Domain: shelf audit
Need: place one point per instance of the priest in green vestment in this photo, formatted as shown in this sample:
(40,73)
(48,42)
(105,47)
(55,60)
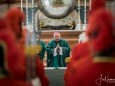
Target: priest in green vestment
(57,51)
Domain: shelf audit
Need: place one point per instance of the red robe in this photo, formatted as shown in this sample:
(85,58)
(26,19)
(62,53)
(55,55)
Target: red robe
(40,73)
(80,50)
(91,72)
(16,58)
(15,18)
(21,71)
(12,82)
(8,42)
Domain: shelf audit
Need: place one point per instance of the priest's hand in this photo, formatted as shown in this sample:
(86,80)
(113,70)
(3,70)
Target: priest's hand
(57,47)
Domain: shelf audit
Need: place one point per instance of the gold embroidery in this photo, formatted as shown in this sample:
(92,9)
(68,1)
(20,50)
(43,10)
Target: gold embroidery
(104,59)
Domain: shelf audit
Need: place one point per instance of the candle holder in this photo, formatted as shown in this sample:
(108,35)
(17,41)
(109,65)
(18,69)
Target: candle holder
(85,12)
(27,22)
(78,27)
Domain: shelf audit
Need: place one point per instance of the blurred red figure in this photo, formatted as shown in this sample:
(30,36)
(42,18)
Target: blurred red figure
(95,5)
(80,51)
(83,50)
(12,82)
(98,69)
(15,18)
(9,52)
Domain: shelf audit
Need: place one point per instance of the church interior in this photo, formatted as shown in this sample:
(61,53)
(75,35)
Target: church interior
(42,42)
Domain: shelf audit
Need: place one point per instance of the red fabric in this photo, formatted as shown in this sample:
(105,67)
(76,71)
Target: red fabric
(16,58)
(3,24)
(20,71)
(15,66)
(100,30)
(9,41)
(23,66)
(20,74)
(39,65)
(87,73)
(12,82)
(15,18)
(15,55)
(22,40)
(80,50)
(95,5)
(41,73)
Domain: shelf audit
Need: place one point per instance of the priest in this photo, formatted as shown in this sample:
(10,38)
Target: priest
(57,51)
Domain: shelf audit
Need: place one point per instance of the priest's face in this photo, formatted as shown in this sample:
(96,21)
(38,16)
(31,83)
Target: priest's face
(57,37)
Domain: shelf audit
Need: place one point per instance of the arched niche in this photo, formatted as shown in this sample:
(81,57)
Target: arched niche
(71,19)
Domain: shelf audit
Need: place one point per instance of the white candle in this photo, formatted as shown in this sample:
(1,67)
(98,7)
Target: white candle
(27,12)
(89,4)
(79,25)
(85,4)
(26,4)
(22,5)
(32,15)
(78,3)
(32,3)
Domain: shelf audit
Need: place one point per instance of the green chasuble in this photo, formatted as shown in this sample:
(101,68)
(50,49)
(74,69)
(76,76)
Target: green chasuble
(57,60)
(42,52)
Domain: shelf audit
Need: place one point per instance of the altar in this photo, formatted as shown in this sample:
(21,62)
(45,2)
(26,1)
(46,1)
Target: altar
(58,79)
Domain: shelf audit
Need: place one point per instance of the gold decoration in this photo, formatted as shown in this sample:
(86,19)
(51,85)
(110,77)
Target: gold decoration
(42,23)
(32,50)
(68,59)
(71,23)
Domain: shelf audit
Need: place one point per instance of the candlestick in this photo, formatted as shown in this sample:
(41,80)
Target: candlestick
(79,22)
(26,12)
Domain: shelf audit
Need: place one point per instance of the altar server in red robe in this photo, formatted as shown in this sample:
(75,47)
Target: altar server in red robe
(98,68)
(15,18)
(8,54)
